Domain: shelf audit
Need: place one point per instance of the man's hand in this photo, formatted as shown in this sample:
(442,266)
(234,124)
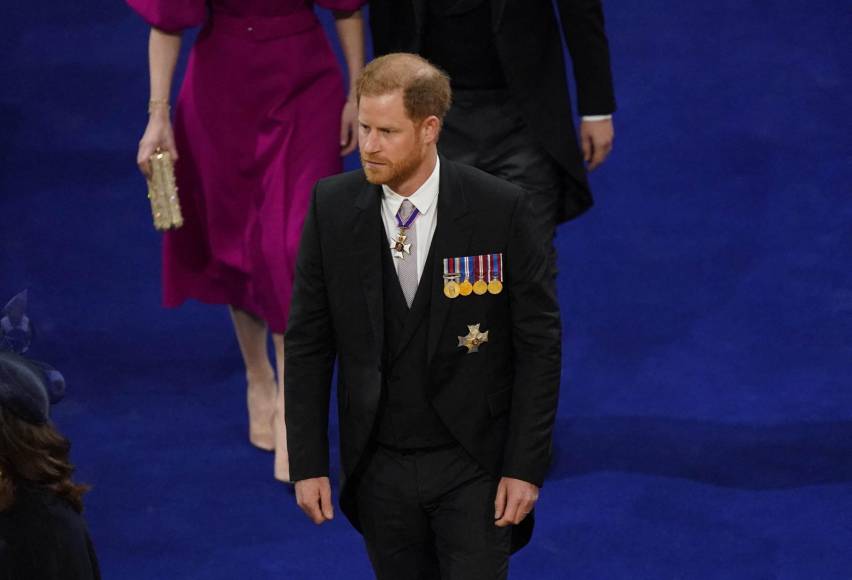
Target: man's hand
(515,499)
(596,138)
(314,497)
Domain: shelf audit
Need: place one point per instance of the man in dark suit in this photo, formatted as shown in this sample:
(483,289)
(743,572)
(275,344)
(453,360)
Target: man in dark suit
(511,114)
(426,281)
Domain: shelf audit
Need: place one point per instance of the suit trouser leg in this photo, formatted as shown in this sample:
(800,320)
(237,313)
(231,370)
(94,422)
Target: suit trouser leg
(485,130)
(395,527)
(430,515)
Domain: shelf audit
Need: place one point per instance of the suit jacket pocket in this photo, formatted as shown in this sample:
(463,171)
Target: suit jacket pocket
(500,401)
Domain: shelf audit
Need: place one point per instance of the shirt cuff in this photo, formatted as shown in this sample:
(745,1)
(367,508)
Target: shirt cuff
(596,117)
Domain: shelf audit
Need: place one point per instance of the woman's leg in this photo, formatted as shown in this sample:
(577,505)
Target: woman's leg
(282,461)
(252,337)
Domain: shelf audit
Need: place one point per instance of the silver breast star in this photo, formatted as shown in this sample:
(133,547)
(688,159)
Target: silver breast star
(474,338)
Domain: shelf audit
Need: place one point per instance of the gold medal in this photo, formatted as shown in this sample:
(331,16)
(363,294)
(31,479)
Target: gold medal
(451,289)
(495,286)
(451,277)
(480,287)
(466,287)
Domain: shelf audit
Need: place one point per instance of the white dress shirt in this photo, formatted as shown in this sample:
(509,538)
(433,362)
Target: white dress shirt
(425,199)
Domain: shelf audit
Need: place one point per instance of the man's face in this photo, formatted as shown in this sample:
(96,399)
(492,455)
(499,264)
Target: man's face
(391,144)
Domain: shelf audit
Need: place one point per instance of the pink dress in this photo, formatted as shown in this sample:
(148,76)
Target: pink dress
(257,123)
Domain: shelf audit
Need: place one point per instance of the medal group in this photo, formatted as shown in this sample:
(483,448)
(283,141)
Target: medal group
(473,275)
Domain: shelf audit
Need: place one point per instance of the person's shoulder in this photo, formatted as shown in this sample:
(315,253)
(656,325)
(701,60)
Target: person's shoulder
(478,184)
(341,183)
(42,512)
(42,531)
(334,195)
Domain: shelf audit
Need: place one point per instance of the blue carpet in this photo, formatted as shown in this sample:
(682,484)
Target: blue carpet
(705,424)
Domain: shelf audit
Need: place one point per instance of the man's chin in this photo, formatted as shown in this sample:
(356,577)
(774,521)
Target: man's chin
(376,177)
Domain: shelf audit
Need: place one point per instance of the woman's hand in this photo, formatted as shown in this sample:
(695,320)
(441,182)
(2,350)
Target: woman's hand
(158,133)
(350,32)
(348,127)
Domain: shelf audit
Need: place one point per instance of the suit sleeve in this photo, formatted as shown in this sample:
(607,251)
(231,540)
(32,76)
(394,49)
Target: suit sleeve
(309,358)
(537,347)
(583,23)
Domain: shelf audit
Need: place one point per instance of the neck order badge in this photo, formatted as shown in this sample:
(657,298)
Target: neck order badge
(398,246)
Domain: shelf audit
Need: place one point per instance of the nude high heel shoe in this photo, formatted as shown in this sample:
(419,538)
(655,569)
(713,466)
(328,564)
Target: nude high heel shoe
(260,396)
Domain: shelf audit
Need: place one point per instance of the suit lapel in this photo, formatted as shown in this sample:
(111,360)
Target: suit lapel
(452,239)
(367,239)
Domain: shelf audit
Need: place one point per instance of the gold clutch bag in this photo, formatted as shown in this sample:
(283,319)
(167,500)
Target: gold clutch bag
(162,191)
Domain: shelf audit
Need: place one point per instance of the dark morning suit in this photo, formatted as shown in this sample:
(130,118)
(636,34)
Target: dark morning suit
(509,82)
(406,391)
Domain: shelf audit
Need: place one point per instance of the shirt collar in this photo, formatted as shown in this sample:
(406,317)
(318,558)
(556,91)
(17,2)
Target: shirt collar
(423,199)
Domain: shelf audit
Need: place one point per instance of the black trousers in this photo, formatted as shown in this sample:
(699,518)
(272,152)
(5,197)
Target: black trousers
(429,515)
(484,129)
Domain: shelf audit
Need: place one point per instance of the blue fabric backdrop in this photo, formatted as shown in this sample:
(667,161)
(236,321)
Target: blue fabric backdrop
(705,424)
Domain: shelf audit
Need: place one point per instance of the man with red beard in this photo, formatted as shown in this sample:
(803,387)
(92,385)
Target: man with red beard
(427,283)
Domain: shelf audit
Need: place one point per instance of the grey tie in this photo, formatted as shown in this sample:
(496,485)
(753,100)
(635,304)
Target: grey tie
(406,268)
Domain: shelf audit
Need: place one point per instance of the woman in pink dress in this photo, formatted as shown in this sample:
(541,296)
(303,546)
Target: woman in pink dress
(260,117)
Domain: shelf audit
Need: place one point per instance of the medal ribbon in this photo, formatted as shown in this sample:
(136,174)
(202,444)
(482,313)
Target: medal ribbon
(450,267)
(410,219)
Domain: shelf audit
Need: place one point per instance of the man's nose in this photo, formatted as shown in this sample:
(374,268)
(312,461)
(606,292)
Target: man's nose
(369,142)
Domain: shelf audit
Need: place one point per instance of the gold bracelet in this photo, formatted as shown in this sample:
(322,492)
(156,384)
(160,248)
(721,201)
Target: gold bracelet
(154,103)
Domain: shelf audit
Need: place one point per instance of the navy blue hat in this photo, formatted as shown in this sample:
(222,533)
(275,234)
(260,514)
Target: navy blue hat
(27,388)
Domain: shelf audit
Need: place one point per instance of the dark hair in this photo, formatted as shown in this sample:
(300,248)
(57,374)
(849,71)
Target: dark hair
(35,455)
(425,88)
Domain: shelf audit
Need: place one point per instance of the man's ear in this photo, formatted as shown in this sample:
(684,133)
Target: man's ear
(431,127)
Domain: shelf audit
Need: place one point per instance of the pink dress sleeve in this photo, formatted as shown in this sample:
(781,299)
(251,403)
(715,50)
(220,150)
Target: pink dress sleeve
(171,15)
(341,4)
